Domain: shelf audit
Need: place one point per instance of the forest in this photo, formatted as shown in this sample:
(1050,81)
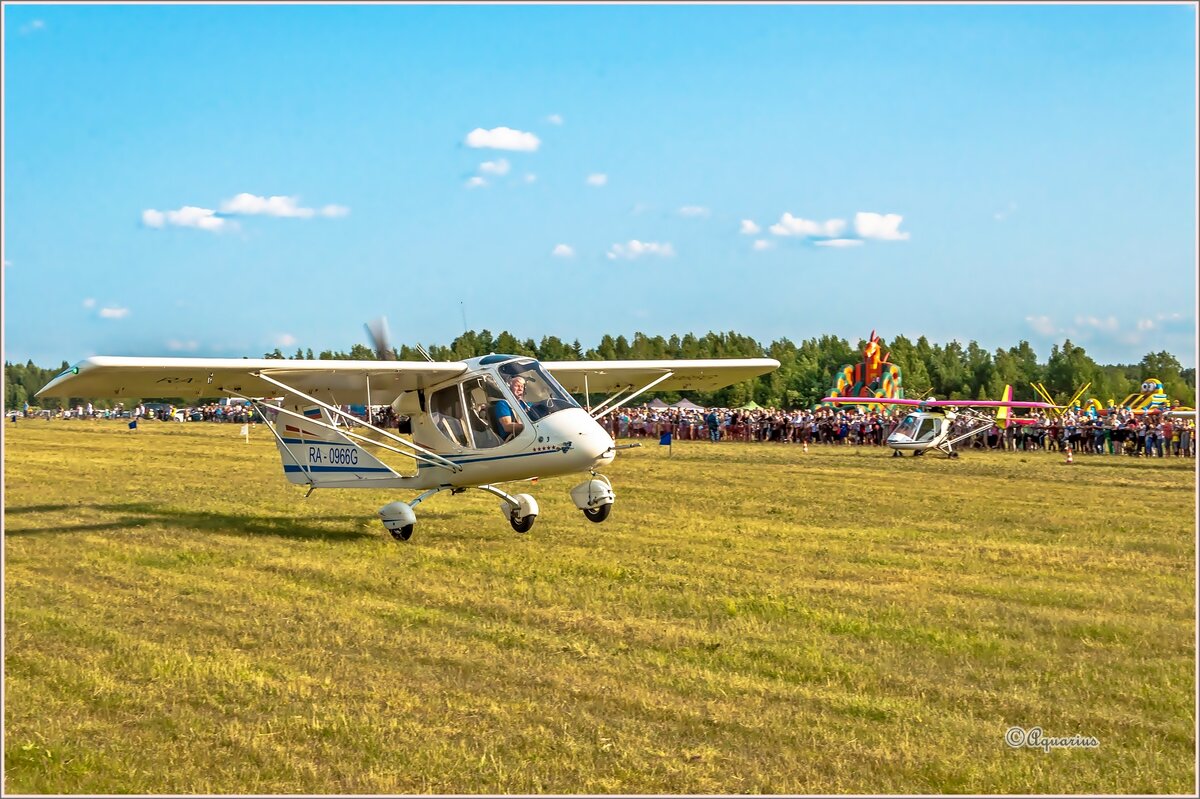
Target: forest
(805,375)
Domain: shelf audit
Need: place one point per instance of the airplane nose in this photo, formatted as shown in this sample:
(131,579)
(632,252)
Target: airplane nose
(599,446)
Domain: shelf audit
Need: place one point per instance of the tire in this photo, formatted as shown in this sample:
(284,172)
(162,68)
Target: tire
(403,534)
(599,514)
(523,525)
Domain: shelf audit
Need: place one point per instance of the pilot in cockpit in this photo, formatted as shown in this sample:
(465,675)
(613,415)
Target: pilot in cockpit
(507,424)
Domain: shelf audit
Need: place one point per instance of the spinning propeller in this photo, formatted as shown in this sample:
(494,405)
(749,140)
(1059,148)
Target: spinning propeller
(377,331)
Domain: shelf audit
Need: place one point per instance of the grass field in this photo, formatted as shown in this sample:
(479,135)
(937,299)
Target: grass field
(751,618)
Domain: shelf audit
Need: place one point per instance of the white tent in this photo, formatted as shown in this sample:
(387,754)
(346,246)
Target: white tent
(686,404)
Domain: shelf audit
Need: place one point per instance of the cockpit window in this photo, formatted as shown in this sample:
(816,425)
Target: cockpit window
(482,394)
(908,427)
(446,413)
(929,428)
(543,394)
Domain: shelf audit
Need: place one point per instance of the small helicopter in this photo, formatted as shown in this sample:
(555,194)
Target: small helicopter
(929,426)
(474,423)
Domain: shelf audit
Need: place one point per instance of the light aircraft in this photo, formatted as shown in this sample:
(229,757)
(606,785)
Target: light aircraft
(470,429)
(929,426)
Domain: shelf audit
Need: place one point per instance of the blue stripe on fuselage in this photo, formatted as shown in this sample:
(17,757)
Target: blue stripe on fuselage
(295,468)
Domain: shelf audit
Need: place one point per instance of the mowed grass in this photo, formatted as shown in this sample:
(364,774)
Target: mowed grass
(751,619)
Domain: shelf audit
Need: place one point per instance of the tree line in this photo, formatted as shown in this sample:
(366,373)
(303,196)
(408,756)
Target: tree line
(806,373)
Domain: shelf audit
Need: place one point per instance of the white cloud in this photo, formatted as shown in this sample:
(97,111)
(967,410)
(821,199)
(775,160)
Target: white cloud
(475,182)
(334,210)
(174,345)
(252,205)
(187,216)
(789,225)
(870,225)
(114,313)
(1042,324)
(503,139)
(530,177)
(563,251)
(1109,324)
(498,167)
(636,249)
(89,303)
(555,119)
(839,243)
(749,228)
(32,27)
(597,179)
(762,244)
(285,340)
(1166,322)
(694,210)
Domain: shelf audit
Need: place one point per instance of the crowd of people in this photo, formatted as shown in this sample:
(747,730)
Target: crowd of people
(239,413)
(1121,432)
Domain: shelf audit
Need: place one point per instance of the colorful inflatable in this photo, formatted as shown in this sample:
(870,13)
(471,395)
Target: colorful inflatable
(1153,397)
(873,377)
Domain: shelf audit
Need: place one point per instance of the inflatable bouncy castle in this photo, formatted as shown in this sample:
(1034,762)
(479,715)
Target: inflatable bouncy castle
(1151,398)
(873,377)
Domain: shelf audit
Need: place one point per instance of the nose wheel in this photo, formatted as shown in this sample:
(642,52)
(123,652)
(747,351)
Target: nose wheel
(594,497)
(599,514)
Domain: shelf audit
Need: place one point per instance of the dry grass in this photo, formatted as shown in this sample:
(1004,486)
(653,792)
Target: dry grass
(751,619)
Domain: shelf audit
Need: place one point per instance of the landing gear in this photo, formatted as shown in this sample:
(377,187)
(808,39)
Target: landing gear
(594,497)
(951,454)
(403,533)
(522,525)
(599,514)
(897,453)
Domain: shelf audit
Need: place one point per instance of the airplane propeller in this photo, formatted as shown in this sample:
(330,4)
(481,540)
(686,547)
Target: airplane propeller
(377,331)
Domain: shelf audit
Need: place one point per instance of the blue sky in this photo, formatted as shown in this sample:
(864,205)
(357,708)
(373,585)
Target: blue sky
(220,180)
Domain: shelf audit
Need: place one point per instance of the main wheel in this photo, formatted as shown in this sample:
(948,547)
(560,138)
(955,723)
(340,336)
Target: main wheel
(522,525)
(953,454)
(598,514)
(404,533)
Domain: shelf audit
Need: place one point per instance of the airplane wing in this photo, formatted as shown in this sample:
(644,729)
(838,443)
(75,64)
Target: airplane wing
(937,403)
(873,401)
(343,382)
(990,404)
(603,377)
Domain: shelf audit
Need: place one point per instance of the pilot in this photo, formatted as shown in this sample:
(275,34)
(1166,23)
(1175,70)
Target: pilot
(508,426)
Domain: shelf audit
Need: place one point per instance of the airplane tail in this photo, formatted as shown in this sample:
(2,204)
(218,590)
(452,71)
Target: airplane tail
(1002,412)
(315,453)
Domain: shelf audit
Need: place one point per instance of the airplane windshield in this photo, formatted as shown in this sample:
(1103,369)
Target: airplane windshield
(908,427)
(543,394)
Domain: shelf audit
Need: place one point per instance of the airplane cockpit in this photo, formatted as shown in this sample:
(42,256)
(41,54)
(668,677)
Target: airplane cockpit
(465,414)
(919,427)
(543,394)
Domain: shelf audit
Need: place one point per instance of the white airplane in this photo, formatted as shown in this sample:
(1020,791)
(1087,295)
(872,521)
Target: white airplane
(929,426)
(475,423)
